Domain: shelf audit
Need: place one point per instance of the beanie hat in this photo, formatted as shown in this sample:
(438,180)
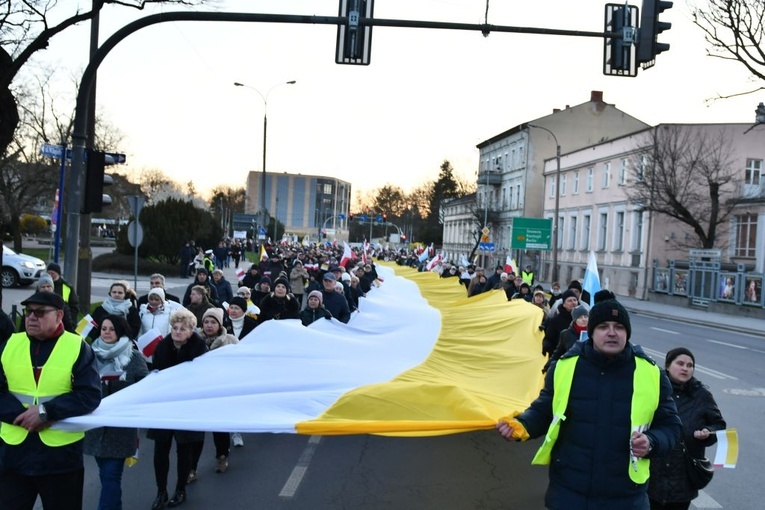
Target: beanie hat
(240,302)
(282,281)
(609,310)
(569,293)
(215,312)
(156,291)
(54,267)
(575,285)
(265,279)
(45,279)
(318,294)
(346,277)
(674,353)
(579,311)
(602,295)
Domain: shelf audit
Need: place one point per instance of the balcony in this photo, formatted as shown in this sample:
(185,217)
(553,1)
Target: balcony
(490,178)
(750,192)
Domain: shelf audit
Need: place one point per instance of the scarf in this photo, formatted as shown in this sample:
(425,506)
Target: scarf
(112,357)
(237,325)
(579,328)
(117,306)
(155,309)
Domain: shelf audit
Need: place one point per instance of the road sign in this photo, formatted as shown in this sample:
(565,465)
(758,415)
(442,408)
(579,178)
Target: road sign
(330,231)
(55,151)
(262,231)
(486,246)
(485,231)
(135,234)
(531,234)
(136,204)
(354,41)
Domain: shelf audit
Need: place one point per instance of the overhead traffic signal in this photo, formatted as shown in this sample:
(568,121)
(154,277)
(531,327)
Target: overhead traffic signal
(95,179)
(350,216)
(385,217)
(650,28)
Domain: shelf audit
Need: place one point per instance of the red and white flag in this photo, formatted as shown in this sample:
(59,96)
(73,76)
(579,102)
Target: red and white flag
(510,265)
(148,342)
(347,255)
(240,274)
(434,262)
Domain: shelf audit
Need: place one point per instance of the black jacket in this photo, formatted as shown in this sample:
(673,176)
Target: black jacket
(590,459)
(249,325)
(273,307)
(309,316)
(133,320)
(553,328)
(697,409)
(337,305)
(32,457)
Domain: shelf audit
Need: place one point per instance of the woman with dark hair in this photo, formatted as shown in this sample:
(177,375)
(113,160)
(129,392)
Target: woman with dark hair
(118,303)
(668,486)
(119,366)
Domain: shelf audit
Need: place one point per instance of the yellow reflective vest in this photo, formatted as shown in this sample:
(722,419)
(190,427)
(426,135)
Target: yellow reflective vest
(55,379)
(527,277)
(646,384)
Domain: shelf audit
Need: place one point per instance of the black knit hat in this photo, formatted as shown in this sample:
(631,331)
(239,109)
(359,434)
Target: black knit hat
(240,302)
(603,295)
(282,281)
(674,353)
(609,310)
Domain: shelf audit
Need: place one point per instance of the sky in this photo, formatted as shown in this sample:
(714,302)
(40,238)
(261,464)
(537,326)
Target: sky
(427,96)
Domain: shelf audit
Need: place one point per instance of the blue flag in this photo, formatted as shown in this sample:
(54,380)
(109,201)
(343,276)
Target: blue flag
(591,277)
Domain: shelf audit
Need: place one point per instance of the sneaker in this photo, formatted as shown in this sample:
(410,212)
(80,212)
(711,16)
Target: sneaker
(192,477)
(221,464)
(236,439)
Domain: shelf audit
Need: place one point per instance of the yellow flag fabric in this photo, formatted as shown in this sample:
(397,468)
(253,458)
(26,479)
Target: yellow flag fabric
(486,364)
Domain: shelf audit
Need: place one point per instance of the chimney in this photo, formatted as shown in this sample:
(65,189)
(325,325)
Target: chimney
(596,96)
(556,110)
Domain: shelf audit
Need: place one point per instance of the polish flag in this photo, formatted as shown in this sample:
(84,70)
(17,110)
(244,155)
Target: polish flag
(240,274)
(148,342)
(433,263)
(510,265)
(347,255)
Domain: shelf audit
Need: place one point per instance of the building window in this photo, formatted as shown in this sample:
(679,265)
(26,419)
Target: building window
(586,224)
(552,187)
(327,189)
(572,233)
(640,171)
(603,232)
(637,232)
(590,173)
(623,171)
(575,191)
(518,204)
(561,230)
(619,232)
(746,235)
(606,175)
(563,185)
(753,172)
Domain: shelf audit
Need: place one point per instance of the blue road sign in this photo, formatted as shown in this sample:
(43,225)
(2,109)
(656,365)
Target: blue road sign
(262,231)
(486,246)
(54,151)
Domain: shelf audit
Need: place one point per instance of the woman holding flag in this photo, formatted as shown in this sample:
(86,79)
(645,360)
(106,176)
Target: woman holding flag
(669,488)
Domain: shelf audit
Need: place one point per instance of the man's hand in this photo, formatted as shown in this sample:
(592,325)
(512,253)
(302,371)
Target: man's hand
(640,444)
(702,434)
(511,429)
(30,420)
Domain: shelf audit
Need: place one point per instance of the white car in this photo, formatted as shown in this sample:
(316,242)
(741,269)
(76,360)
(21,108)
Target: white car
(19,269)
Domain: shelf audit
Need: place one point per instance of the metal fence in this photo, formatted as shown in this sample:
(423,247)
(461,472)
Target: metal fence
(704,282)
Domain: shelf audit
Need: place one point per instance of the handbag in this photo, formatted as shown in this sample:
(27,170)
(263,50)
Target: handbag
(698,471)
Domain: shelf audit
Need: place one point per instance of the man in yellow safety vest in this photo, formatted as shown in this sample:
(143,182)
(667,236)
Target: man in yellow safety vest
(65,290)
(605,410)
(46,374)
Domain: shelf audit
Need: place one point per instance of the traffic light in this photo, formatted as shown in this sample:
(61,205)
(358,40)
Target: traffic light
(650,28)
(95,180)
(350,217)
(385,217)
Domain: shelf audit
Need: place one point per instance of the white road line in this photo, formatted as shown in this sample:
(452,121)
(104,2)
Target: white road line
(300,469)
(666,331)
(728,344)
(705,501)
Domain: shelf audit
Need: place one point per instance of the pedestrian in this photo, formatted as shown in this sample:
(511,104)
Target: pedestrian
(606,409)
(314,309)
(222,287)
(47,374)
(157,281)
(65,290)
(669,488)
(181,345)
(334,302)
(119,366)
(557,324)
(117,303)
(45,284)
(202,278)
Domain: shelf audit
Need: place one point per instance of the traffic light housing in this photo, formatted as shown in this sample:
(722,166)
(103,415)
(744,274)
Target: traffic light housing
(385,217)
(350,217)
(95,179)
(650,28)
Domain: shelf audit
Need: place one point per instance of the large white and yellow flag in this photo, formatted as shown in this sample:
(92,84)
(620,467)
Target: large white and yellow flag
(418,359)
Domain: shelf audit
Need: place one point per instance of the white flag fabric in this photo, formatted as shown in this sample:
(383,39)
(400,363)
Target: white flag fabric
(591,278)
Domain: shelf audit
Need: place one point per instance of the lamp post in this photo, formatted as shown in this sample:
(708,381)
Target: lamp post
(554,272)
(759,117)
(263,209)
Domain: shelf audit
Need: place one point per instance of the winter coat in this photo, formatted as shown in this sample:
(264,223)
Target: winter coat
(212,292)
(223,289)
(337,305)
(309,316)
(133,320)
(225,338)
(298,279)
(697,409)
(199,309)
(116,442)
(247,327)
(590,460)
(166,356)
(159,319)
(553,328)
(273,307)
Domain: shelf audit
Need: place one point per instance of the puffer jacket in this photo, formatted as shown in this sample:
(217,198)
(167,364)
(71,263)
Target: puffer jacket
(298,279)
(590,460)
(697,409)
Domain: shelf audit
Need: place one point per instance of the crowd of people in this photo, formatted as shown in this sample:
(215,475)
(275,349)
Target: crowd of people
(593,372)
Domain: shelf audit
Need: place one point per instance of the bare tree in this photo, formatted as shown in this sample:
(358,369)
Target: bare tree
(734,30)
(686,173)
(156,186)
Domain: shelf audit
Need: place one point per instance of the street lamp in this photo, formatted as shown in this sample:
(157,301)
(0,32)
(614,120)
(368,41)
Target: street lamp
(759,117)
(264,209)
(554,275)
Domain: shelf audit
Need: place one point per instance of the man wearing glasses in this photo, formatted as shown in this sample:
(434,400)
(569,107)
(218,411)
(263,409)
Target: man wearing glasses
(46,374)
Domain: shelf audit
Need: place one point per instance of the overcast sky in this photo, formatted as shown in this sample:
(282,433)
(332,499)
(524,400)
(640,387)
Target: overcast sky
(428,95)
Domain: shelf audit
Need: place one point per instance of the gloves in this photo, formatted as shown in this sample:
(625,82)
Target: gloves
(510,428)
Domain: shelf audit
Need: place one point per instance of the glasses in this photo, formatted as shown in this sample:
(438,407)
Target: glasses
(38,312)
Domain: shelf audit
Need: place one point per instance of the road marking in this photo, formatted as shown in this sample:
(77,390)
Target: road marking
(704,500)
(300,469)
(699,369)
(666,331)
(728,344)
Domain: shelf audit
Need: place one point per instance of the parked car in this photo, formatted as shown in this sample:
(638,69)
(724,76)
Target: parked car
(20,269)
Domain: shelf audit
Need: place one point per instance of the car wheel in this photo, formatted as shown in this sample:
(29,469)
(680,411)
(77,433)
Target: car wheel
(9,278)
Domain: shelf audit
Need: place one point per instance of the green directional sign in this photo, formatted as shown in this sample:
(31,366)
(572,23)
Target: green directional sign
(532,234)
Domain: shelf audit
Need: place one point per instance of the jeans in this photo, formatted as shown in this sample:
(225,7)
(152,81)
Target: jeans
(110,472)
